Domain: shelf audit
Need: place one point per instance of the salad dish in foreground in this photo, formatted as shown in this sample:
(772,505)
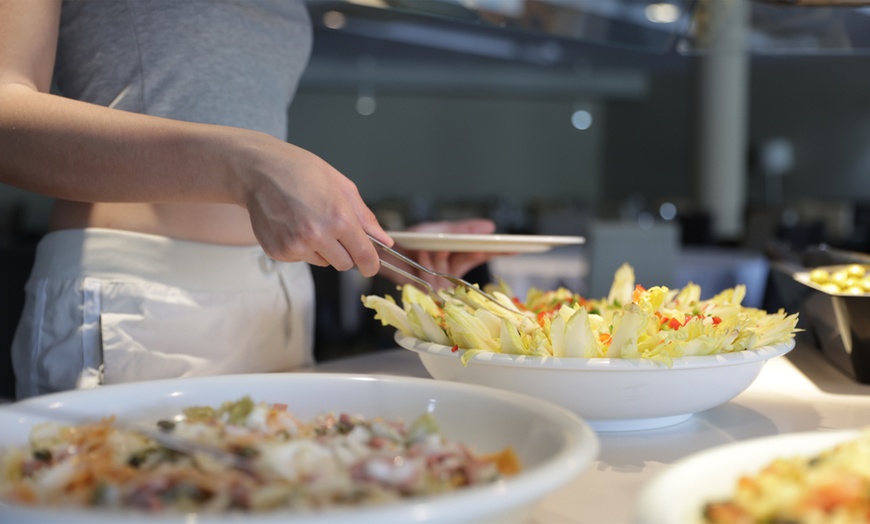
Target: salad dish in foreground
(331,460)
(828,487)
(632,322)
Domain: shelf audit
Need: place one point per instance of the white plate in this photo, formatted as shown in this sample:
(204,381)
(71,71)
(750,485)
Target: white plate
(481,243)
(554,445)
(679,493)
(612,394)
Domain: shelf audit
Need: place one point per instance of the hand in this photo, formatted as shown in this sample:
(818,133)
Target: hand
(452,263)
(302,208)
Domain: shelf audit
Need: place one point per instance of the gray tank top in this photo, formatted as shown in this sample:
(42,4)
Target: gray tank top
(229,62)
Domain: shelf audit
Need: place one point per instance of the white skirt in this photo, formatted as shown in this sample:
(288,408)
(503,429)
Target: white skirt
(107,306)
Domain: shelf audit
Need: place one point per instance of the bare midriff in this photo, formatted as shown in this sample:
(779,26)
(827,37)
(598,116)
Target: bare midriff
(226,224)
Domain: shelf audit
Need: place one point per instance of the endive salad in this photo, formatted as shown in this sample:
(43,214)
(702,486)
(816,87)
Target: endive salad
(631,322)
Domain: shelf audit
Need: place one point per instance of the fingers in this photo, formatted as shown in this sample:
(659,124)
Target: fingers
(323,229)
(347,245)
(436,261)
(363,255)
(449,262)
(462,263)
(345,249)
(336,255)
(323,220)
(482,226)
(363,252)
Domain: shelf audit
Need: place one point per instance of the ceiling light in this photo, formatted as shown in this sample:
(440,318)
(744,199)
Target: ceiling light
(662,13)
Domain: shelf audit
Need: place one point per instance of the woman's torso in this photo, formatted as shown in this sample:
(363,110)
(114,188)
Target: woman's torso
(225,62)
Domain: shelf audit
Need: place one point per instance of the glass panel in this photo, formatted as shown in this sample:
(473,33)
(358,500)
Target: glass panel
(796,27)
(638,24)
(509,28)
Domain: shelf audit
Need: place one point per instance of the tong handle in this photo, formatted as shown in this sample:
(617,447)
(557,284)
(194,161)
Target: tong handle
(454,280)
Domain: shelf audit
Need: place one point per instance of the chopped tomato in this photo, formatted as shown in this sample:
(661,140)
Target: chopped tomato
(455,348)
(638,291)
(670,322)
(844,492)
(605,338)
(519,304)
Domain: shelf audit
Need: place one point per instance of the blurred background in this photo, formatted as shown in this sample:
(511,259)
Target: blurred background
(696,139)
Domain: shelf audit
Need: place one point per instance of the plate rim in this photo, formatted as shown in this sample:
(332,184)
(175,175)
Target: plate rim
(764,353)
(515,241)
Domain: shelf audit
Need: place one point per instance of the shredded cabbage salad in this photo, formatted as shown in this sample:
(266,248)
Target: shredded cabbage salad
(332,460)
(658,323)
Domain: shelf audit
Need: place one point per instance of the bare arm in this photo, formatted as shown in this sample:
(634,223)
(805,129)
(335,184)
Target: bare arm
(301,208)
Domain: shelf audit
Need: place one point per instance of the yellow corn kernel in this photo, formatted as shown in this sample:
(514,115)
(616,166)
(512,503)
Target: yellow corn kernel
(856,270)
(830,288)
(819,276)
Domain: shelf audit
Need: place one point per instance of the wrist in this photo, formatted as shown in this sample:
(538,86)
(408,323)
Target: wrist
(241,152)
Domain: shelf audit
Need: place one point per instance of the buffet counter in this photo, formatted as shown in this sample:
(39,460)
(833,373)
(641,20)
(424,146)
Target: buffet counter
(799,392)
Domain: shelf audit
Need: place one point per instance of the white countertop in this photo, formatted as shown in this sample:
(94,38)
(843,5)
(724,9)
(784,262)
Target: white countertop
(799,392)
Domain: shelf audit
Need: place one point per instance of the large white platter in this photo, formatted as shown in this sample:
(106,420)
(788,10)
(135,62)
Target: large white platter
(553,444)
(679,493)
(468,242)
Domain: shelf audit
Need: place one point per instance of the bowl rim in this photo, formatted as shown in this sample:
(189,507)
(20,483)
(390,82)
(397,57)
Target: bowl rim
(424,348)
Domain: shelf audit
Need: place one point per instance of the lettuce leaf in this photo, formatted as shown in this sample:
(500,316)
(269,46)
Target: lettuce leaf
(580,340)
(425,326)
(623,285)
(467,331)
(388,312)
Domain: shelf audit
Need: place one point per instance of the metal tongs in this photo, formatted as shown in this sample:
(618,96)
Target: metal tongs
(434,294)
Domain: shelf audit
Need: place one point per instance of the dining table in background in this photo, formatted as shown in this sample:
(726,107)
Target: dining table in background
(799,392)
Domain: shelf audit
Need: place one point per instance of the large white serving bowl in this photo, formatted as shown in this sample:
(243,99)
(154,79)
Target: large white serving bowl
(553,444)
(611,394)
(712,475)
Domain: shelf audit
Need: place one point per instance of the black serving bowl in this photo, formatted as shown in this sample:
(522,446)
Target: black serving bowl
(837,323)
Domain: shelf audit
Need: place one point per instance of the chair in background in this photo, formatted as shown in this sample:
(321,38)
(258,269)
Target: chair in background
(651,250)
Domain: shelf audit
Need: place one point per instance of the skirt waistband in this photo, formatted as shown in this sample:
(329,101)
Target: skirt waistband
(124,255)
